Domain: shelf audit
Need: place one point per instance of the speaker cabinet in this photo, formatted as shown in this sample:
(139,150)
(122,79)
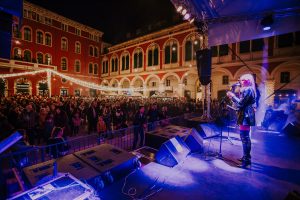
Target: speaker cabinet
(156,138)
(291,130)
(36,173)
(194,141)
(107,159)
(172,152)
(203,59)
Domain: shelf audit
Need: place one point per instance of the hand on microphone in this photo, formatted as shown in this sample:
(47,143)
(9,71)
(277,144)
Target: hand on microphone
(236,85)
(230,94)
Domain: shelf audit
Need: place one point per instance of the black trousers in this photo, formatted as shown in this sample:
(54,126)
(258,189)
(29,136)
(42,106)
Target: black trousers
(138,131)
(92,127)
(246,141)
(31,133)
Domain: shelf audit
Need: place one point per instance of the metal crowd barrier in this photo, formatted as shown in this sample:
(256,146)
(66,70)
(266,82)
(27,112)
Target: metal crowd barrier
(122,138)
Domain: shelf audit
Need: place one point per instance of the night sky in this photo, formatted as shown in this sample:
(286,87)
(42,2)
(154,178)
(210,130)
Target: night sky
(117,18)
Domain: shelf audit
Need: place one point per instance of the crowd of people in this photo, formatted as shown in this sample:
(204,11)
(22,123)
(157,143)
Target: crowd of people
(38,116)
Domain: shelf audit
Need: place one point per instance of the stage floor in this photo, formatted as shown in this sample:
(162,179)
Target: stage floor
(275,172)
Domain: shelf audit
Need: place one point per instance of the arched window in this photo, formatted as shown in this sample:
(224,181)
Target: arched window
(40,57)
(125,61)
(95,68)
(114,64)
(153,55)
(104,66)
(91,51)
(77,66)
(171,52)
(64,64)
(90,68)
(138,58)
(192,45)
(188,51)
(64,44)
(27,34)
(77,47)
(39,37)
(48,59)
(48,39)
(96,52)
(27,55)
(17,53)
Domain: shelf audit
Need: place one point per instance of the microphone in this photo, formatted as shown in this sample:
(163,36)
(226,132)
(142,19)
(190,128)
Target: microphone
(236,85)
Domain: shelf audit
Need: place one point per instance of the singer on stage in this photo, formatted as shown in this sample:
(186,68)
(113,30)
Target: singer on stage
(246,104)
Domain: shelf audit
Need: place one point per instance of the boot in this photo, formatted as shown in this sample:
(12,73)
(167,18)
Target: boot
(241,159)
(245,163)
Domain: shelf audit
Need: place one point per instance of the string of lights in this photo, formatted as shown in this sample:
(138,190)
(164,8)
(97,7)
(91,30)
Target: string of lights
(22,74)
(75,81)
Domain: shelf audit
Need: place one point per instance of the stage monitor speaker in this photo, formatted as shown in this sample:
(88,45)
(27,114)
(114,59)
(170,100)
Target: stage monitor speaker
(203,59)
(291,130)
(194,141)
(209,130)
(172,152)
(81,170)
(157,137)
(36,173)
(111,162)
(274,120)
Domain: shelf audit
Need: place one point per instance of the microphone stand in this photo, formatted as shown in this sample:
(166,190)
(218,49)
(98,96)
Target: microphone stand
(220,156)
(222,123)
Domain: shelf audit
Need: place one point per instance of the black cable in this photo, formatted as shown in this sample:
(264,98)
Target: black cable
(234,53)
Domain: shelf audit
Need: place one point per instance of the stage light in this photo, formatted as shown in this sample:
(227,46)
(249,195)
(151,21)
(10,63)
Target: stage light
(196,42)
(191,20)
(267,22)
(186,16)
(179,8)
(184,11)
(173,48)
(17,42)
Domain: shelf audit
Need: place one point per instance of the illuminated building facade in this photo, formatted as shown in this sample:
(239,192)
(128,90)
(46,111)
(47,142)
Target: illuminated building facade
(163,63)
(49,40)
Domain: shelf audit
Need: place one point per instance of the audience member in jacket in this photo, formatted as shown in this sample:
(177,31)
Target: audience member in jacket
(140,123)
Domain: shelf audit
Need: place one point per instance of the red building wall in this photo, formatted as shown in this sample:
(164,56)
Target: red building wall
(56,54)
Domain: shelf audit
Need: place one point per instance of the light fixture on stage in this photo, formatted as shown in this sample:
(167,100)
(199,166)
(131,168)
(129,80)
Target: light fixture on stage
(179,9)
(184,11)
(267,22)
(191,20)
(187,16)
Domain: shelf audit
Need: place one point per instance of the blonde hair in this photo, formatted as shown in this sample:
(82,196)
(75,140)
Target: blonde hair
(250,78)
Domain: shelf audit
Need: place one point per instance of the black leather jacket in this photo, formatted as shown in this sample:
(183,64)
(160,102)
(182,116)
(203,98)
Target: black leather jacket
(245,104)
